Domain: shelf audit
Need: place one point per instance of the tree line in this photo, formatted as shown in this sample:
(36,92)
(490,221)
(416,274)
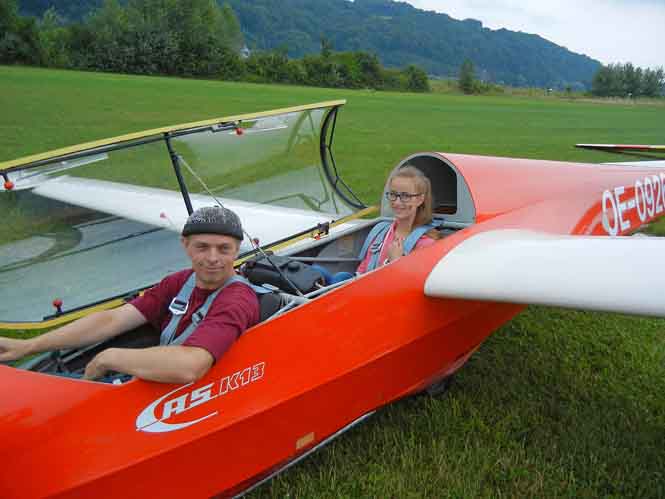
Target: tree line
(615,80)
(196,38)
(626,80)
(333,69)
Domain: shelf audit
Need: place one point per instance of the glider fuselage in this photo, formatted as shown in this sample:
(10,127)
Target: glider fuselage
(293,381)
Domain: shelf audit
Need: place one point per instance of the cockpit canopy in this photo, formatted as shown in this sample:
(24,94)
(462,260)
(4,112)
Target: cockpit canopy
(102,220)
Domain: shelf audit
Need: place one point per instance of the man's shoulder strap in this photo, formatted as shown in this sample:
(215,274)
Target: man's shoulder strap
(202,311)
(185,292)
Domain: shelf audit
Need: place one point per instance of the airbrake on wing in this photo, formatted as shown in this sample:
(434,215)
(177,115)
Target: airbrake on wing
(631,149)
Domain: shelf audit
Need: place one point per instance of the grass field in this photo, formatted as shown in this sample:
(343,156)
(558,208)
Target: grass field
(555,404)
(46,109)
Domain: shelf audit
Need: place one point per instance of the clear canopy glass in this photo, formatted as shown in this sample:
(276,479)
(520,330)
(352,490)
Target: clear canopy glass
(104,222)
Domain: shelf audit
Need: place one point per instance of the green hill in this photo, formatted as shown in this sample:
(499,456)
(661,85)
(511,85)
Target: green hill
(398,33)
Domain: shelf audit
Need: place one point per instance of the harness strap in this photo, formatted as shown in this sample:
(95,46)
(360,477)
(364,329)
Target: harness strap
(167,336)
(412,239)
(373,243)
(377,235)
(379,227)
(178,307)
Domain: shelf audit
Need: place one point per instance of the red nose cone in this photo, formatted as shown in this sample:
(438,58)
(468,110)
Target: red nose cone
(57,303)
(239,131)
(9,185)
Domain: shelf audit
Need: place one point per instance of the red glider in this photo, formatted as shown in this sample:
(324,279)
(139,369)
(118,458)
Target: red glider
(516,232)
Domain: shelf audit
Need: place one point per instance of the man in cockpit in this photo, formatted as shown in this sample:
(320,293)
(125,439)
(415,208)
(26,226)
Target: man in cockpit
(200,312)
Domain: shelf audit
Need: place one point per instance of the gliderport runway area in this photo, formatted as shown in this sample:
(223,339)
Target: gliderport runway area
(556,403)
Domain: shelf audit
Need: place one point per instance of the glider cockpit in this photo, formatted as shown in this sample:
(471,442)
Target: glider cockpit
(90,229)
(91,226)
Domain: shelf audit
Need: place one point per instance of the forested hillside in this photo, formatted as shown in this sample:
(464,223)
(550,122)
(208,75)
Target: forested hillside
(397,32)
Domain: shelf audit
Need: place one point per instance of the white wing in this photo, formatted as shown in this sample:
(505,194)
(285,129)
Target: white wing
(166,209)
(619,274)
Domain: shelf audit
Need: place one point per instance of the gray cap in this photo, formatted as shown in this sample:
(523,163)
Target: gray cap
(213,220)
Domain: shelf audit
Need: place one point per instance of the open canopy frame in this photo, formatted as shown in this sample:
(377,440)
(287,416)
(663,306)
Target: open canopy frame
(100,220)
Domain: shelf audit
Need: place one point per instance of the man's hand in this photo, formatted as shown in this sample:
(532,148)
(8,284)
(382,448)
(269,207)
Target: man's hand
(99,365)
(11,349)
(94,328)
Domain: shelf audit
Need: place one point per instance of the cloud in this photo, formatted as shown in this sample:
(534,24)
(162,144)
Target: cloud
(607,30)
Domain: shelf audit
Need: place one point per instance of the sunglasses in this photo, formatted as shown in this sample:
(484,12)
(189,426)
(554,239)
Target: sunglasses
(405,197)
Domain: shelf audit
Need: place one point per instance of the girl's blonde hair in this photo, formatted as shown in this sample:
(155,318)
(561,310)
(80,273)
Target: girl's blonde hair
(423,186)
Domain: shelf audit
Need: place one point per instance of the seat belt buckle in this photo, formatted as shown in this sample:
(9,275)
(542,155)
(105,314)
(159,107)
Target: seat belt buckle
(178,307)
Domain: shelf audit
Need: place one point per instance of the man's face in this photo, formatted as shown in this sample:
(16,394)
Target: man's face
(212,258)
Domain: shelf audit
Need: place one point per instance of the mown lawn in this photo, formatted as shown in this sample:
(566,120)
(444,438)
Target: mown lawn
(555,404)
(46,109)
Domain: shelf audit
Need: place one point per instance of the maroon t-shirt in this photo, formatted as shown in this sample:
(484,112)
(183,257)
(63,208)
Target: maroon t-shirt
(235,309)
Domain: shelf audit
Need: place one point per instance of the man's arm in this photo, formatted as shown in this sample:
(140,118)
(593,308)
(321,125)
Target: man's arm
(188,362)
(167,364)
(88,330)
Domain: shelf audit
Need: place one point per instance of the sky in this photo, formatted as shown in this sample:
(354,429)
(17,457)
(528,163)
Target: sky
(611,31)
